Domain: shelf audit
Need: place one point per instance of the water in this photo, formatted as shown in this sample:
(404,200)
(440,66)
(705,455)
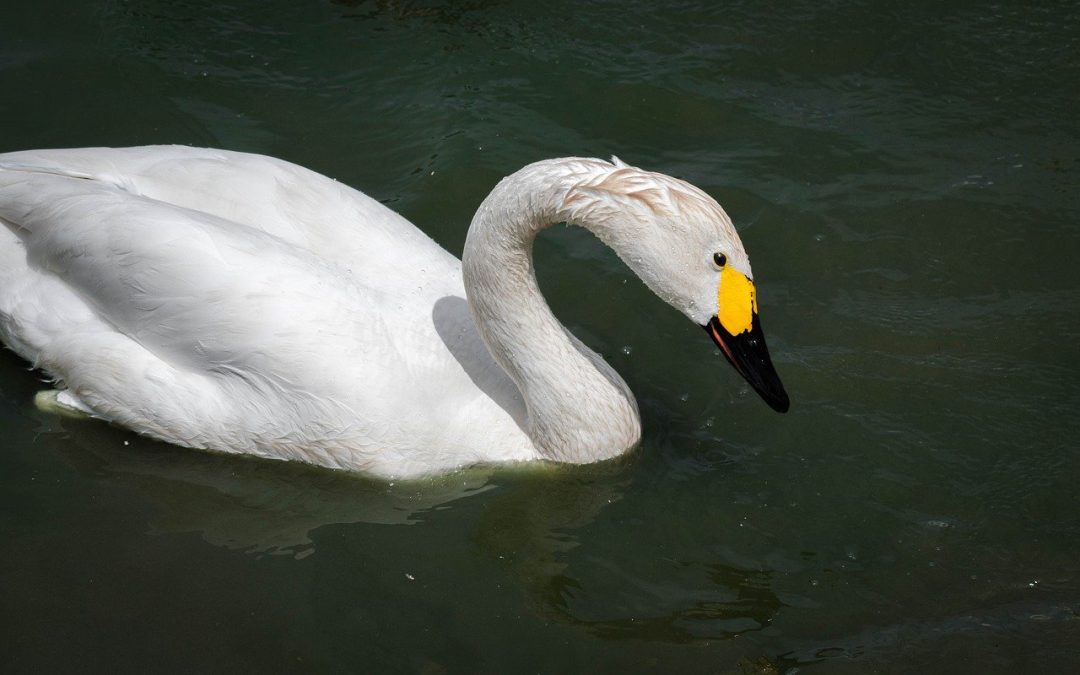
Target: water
(905,180)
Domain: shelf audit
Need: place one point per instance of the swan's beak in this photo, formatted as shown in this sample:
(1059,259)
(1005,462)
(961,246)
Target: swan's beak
(736,330)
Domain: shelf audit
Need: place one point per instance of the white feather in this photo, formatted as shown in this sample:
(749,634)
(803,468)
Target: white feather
(244,304)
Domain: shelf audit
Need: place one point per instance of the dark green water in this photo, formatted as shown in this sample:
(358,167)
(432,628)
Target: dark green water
(906,182)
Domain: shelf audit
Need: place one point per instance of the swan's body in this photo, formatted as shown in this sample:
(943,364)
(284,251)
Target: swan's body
(244,304)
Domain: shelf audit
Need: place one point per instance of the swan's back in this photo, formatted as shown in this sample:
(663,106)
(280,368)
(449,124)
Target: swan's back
(288,201)
(238,302)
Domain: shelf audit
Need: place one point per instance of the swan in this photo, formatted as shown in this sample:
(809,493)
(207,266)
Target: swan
(239,303)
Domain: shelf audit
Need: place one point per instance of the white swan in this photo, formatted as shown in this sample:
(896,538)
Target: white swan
(240,303)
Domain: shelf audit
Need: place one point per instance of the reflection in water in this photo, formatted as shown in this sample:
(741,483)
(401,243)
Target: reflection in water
(683,607)
(250,504)
(533,529)
(531,526)
(533,522)
(747,604)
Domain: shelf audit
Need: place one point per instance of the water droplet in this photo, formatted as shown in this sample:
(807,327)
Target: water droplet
(627,350)
(684,397)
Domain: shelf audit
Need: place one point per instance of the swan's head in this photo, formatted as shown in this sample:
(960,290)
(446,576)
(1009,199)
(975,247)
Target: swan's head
(685,248)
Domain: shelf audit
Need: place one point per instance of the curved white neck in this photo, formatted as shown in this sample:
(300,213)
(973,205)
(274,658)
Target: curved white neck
(579,409)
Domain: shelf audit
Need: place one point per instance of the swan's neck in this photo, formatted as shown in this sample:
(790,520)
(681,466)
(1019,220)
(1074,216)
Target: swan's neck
(579,409)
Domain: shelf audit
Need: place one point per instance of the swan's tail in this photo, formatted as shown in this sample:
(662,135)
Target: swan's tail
(63,403)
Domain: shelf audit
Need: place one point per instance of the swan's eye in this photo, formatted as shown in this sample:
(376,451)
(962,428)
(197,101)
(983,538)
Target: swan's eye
(719,259)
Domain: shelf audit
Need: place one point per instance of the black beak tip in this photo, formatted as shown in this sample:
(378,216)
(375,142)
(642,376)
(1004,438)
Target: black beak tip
(779,402)
(749,355)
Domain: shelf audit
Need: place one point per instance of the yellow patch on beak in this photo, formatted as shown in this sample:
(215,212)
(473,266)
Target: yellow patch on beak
(737,300)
